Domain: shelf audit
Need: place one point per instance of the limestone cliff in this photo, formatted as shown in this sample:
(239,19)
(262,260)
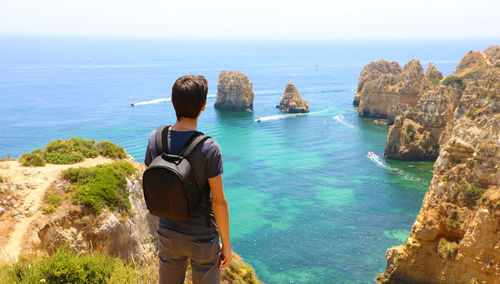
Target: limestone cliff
(292,101)
(383,87)
(456,235)
(416,133)
(234,92)
(376,77)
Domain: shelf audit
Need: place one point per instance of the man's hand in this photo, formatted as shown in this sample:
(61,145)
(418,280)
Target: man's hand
(225,257)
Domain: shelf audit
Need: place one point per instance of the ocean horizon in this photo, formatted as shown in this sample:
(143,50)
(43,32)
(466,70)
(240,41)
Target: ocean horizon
(307,204)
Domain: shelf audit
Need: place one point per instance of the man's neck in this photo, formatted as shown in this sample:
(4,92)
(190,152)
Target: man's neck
(185,124)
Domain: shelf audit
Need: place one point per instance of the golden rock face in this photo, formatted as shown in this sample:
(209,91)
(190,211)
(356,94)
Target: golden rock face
(292,101)
(234,92)
(456,236)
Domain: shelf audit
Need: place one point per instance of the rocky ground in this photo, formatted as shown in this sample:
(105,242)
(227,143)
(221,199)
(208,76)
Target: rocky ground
(21,199)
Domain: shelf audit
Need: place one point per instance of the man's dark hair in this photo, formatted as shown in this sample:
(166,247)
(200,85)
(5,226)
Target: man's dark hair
(189,93)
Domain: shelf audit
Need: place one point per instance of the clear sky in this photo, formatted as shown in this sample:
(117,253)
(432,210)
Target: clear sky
(256,19)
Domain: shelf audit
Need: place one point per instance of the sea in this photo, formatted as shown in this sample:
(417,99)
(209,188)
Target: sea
(307,203)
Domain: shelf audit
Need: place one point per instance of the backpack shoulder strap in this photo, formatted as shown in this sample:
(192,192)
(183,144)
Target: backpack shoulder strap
(161,139)
(196,139)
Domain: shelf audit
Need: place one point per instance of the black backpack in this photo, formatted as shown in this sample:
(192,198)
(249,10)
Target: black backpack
(170,186)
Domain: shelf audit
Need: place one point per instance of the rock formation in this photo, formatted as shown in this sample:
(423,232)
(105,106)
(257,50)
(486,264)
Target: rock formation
(291,101)
(383,85)
(234,92)
(123,234)
(432,73)
(416,134)
(377,75)
(456,236)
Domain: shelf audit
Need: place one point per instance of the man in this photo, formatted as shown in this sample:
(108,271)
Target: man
(198,238)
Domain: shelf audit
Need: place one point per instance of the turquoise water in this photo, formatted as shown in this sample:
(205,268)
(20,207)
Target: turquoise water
(307,204)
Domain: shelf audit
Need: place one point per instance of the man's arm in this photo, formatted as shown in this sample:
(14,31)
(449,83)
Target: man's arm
(221,212)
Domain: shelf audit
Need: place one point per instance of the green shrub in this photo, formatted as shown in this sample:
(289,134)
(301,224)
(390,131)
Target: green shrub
(110,149)
(473,191)
(71,151)
(239,272)
(455,81)
(447,249)
(435,81)
(103,185)
(471,111)
(64,158)
(63,267)
(410,133)
(34,159)
(68,267)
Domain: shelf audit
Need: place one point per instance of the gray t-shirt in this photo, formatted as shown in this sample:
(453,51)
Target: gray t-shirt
(206,160)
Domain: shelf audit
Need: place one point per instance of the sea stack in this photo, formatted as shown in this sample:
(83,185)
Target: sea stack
(234,92)
(292,101)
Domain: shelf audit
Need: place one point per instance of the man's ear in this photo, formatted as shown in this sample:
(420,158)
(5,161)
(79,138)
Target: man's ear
(203,106)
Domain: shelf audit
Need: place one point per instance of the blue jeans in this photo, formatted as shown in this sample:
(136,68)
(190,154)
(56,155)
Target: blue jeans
(176,248)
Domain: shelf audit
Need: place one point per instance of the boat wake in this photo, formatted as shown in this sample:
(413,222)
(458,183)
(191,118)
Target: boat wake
(160,100)
(287,115)
(279,116)
(155,101)
(381,163)
(340,118)
(377,160)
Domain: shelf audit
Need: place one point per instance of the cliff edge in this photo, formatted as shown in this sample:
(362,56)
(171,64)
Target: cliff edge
(456,235)
(83,196)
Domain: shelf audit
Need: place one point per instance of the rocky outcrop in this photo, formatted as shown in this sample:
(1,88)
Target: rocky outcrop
(456,235)
(383,85)
(432,73)
(376,77)
(292,101)
(416,134)
(127,235)
(234,92)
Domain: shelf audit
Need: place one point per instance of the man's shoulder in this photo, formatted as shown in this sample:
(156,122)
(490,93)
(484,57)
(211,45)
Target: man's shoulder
(210,145)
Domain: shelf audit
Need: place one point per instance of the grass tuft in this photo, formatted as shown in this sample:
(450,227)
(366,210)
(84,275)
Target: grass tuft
(68,267)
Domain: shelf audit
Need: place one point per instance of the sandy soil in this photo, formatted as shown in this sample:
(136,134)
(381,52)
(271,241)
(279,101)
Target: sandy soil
(36,180)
